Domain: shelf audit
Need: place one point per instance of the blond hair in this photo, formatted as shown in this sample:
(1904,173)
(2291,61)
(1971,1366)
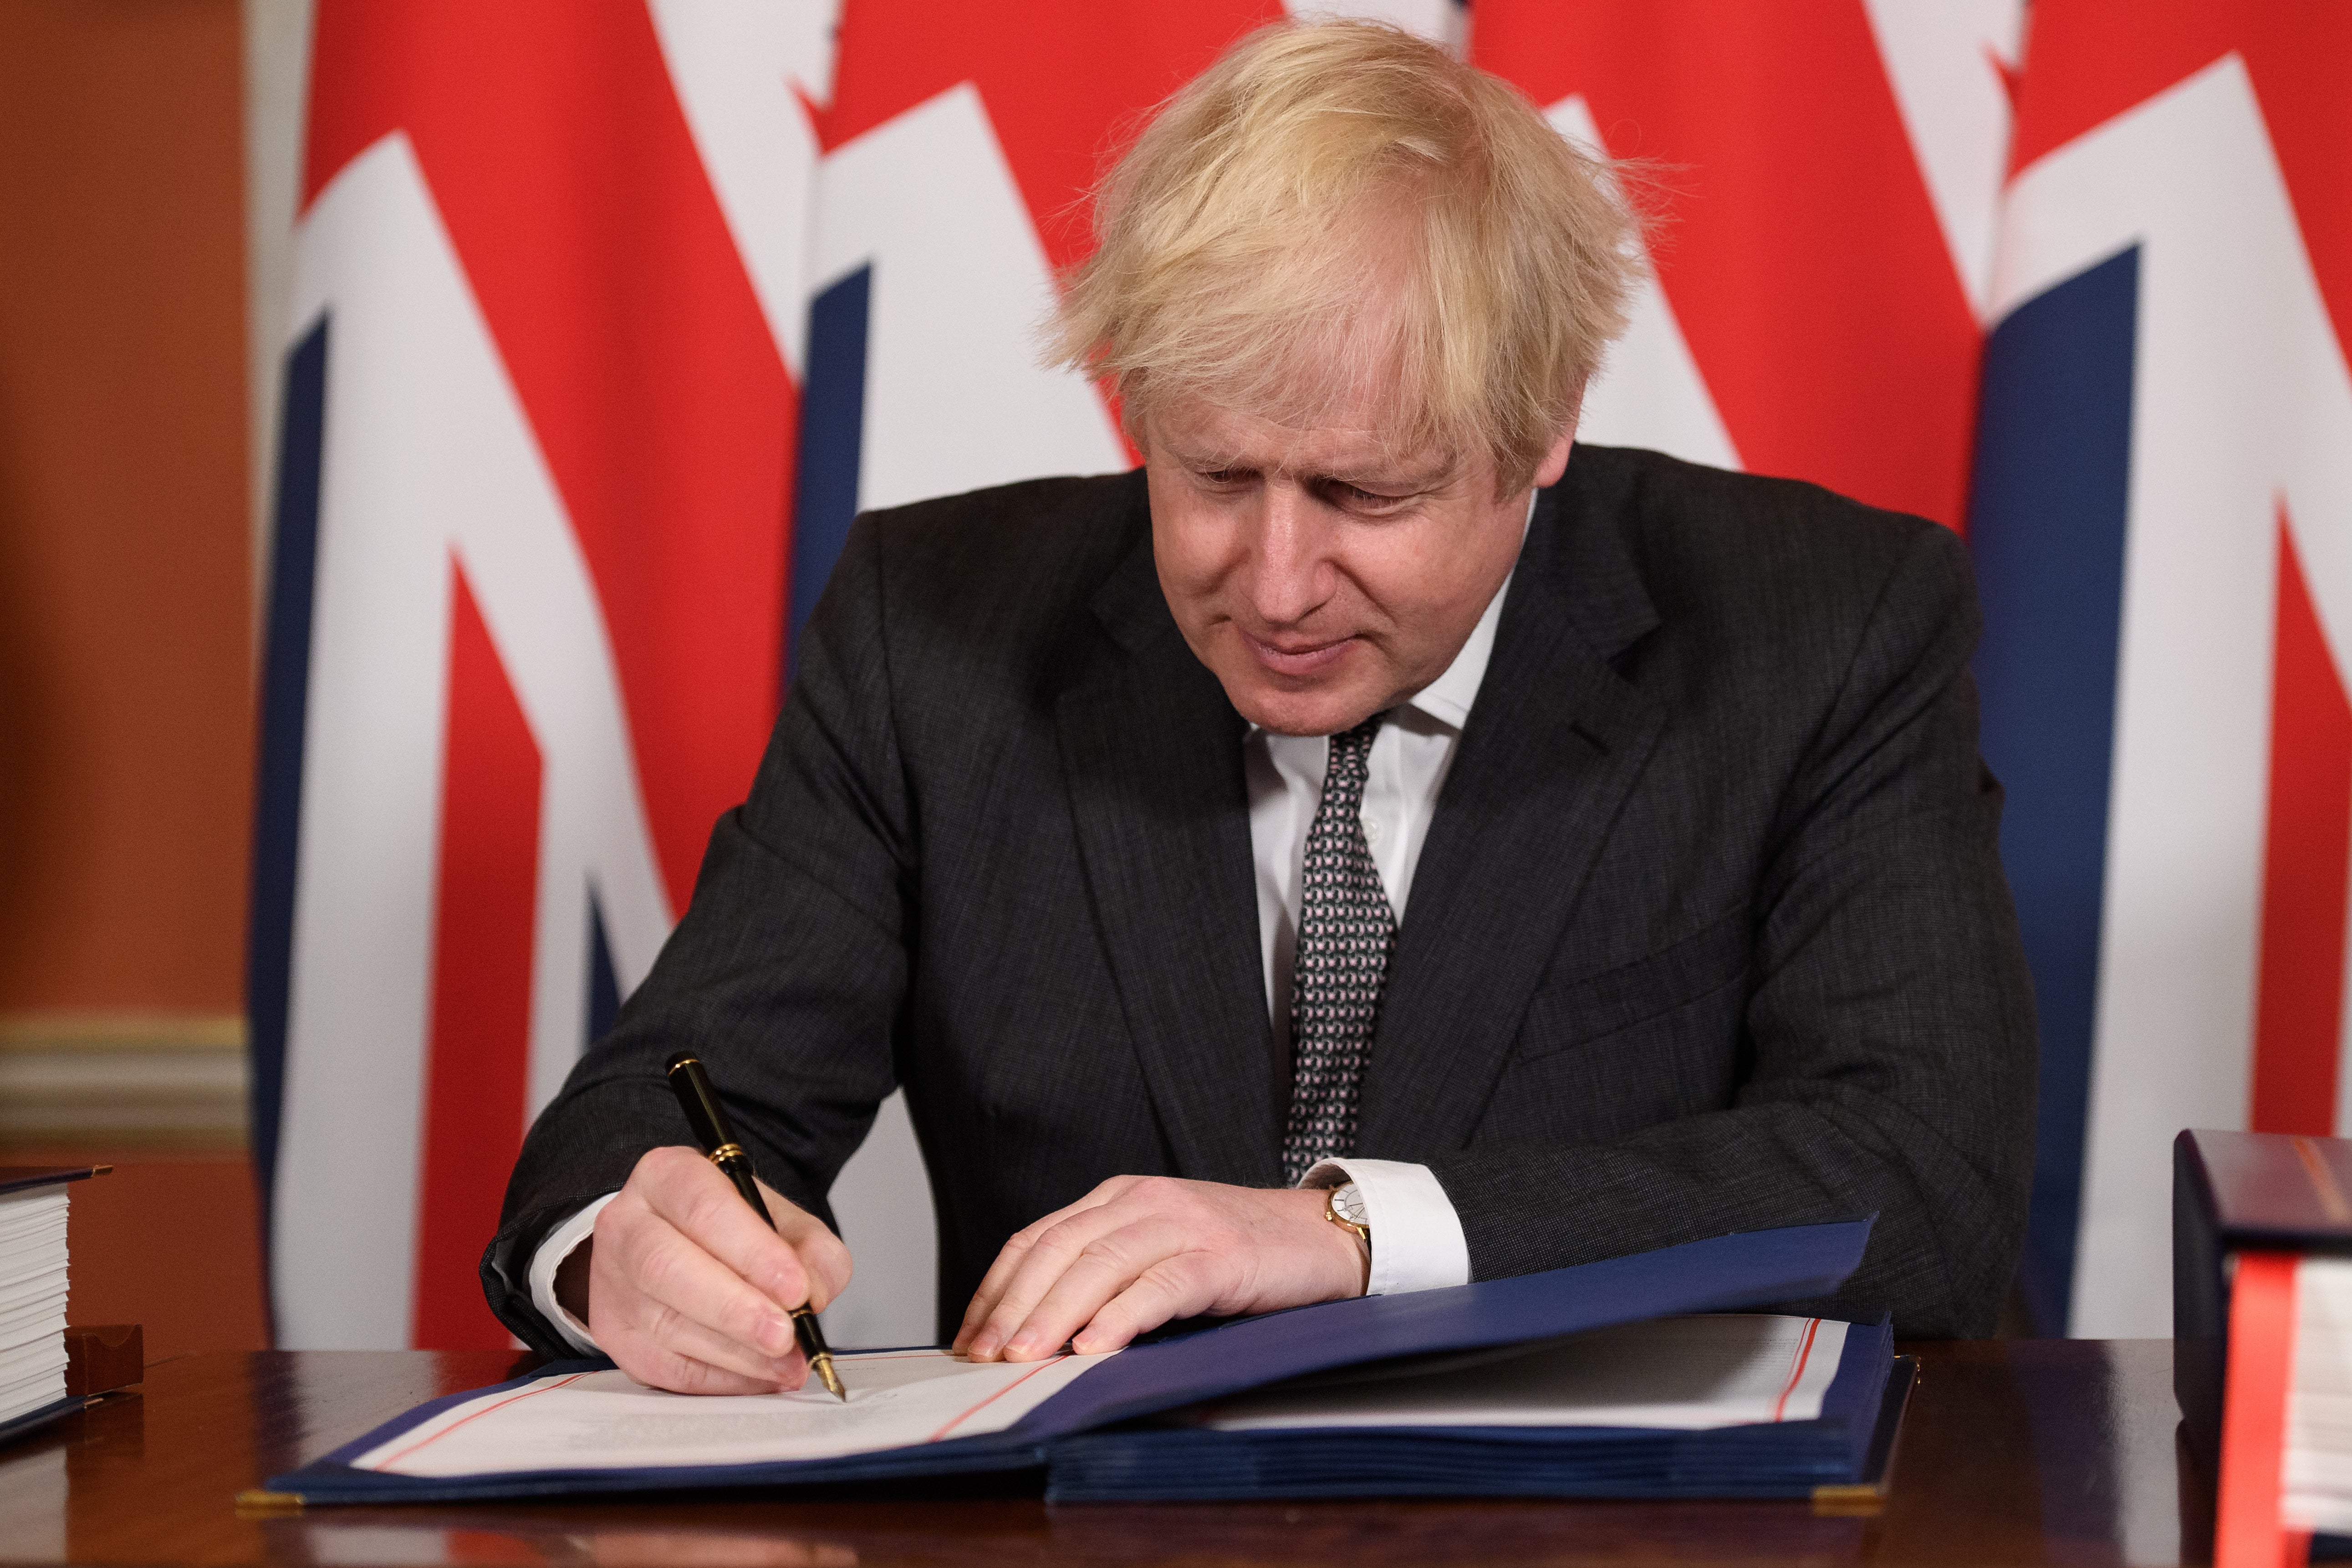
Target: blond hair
(1338,210)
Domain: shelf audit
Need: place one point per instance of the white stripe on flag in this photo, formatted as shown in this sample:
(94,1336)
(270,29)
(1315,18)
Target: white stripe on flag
(2242,404)
(426,454)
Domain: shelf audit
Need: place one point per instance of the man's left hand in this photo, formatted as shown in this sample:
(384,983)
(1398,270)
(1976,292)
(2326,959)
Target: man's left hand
(1140,1251)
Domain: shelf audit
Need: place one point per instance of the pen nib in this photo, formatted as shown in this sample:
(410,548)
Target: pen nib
(822,1367)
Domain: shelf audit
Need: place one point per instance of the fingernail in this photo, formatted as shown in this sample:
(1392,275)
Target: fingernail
(982,1347)
(1026,1343)
(776,1336)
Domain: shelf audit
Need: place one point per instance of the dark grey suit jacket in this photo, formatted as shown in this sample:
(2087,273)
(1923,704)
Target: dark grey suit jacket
(1708,932)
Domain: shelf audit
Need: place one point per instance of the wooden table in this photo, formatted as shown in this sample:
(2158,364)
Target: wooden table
(2014,1452)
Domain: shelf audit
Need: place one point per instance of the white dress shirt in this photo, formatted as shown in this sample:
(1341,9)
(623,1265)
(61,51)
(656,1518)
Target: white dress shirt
(1417,1241)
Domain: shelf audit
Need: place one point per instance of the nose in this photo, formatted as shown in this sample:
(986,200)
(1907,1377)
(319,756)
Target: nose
(1290,566)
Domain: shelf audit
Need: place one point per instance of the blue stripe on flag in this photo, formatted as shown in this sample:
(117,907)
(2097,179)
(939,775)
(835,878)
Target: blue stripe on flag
(2046,520)
(833,436)
(278,773)
(603,980)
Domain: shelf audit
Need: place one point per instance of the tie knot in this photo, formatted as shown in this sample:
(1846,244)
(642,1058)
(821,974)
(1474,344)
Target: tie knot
(1349,748)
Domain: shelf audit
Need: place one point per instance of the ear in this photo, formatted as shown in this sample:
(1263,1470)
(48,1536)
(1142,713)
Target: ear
(1554,461)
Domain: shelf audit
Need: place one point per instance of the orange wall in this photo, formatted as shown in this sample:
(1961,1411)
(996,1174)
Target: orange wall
(125,597)
(169,1243)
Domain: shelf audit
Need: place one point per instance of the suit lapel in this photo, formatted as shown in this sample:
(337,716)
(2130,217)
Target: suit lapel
(1152,753)
(1556,739)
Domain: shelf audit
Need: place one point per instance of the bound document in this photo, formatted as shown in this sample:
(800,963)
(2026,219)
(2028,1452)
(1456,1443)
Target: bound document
(32,1296)
(2262,1312)
(1689,1406)
(1499,1388)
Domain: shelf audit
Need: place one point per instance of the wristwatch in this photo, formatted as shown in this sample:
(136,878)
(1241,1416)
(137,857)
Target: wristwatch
(1344,1207)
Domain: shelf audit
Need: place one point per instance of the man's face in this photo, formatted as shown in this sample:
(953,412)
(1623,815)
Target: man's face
(1321,576)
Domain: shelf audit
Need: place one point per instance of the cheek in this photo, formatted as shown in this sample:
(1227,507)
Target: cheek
(1430,582)
(1191,546)
(1408,576)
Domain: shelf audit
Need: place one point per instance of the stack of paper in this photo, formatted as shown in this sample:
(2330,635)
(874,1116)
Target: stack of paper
(2244,1204)
(1691,1406)
(32,1301)
(2318,1449)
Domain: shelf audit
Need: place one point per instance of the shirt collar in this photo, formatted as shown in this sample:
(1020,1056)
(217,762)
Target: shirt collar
(1447,698)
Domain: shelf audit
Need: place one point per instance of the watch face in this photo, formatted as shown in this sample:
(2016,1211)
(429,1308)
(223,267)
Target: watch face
(1349,1205)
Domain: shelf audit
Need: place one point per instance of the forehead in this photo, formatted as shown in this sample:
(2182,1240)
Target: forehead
(1349,439)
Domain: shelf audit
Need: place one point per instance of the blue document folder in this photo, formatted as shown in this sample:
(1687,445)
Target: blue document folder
(1722,1274)
(1176,1462)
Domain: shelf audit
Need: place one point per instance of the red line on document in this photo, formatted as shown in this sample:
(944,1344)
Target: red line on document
(501,1404)
(1797,1373)
(994,1398)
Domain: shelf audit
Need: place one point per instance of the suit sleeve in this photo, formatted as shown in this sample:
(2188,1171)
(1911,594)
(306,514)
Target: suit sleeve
(1889,1043)
(787,973)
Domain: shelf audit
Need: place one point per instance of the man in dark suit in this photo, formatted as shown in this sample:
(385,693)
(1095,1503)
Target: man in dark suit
(1370,846)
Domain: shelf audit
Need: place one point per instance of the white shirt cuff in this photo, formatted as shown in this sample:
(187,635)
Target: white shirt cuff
(552,1251)
(1417,1242)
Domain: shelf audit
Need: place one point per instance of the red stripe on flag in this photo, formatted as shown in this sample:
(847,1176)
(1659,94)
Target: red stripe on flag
(2089,61)
(1065,81)
(477,1055)
(2248,1532)
(2307,869)
(1802,256)
(562,164)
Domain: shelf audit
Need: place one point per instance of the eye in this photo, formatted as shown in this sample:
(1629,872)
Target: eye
(1355,498)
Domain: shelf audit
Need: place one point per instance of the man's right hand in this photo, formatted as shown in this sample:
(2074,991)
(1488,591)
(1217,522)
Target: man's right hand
(687,1290)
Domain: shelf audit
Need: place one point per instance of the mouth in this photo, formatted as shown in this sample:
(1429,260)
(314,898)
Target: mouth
(1296,656)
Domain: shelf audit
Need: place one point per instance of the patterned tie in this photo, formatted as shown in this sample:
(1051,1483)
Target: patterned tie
(1345,931)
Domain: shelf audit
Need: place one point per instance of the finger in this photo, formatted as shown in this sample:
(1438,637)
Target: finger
(654,1259)
(659,1366)
(1182,1285)
(661,1339)
(1015,1253)
(700,1204)
(824,1259)
(1027,1274)
(1110,1265)
(1049,1258)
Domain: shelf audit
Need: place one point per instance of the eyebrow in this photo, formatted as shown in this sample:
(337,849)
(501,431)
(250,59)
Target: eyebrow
(1417,483)
(1413,482)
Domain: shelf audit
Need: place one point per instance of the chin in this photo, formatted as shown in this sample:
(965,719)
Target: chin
(1311,712)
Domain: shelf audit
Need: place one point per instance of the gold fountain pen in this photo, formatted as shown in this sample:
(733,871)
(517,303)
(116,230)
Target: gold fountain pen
(711,1130)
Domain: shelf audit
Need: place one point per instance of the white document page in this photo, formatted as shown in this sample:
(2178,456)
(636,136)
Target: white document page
(32,1299)
(605,1421)
(1690,1373)
(2318,1458)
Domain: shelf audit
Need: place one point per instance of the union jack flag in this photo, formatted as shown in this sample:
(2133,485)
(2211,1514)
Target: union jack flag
(2162,522)
(610,316)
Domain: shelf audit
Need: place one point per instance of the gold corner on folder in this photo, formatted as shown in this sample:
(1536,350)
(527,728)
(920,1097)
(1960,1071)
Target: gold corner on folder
(256,1501)
(1849,1502)
(2322,1181)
